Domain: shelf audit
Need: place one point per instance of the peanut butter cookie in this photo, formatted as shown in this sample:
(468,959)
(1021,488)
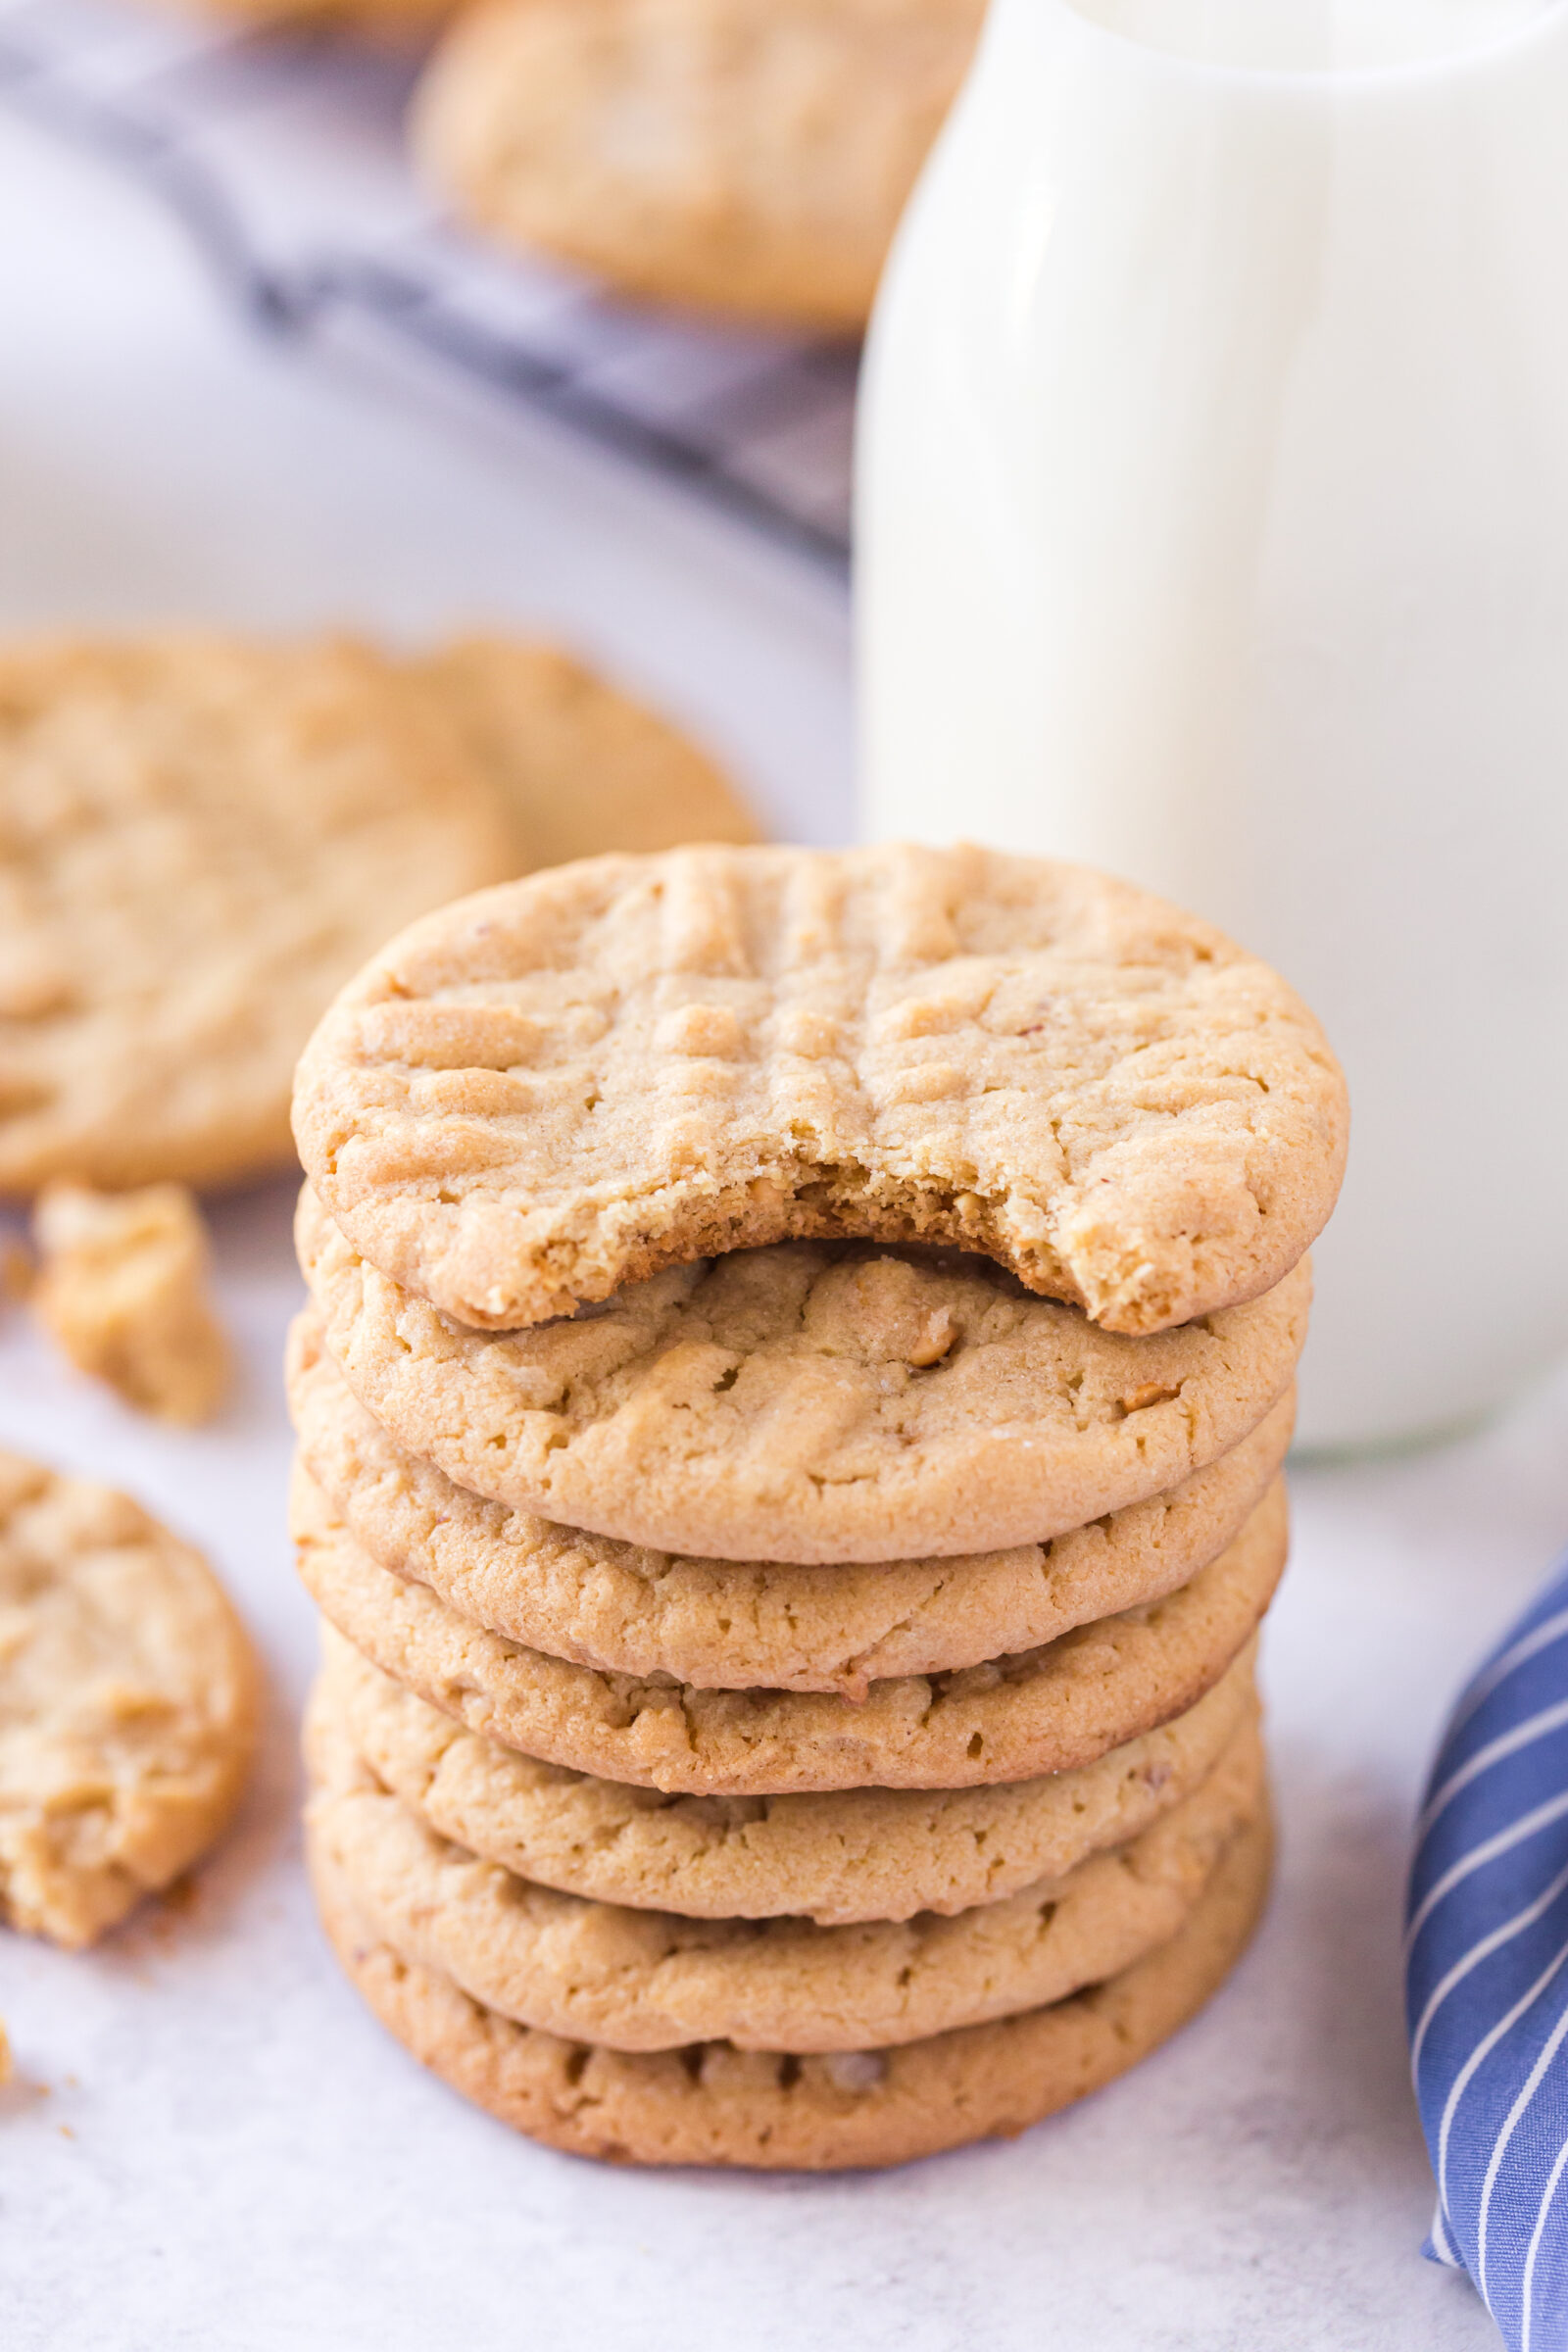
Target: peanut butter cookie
(812,1402)
(711,2103)
(745,156)
(635,1980)
(545,1093)
(728,1623)
(1044,1710)
(128,1703)
(837,1857)
(583,768)
(200,839)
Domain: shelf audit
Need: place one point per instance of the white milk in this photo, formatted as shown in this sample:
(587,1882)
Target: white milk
(1214,527)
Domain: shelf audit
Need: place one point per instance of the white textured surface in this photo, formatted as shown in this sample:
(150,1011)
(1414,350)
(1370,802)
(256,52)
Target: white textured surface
(209,2144)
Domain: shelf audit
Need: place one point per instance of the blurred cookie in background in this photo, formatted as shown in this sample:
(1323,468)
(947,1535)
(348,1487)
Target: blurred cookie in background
(583,769)
(202,838)
(749,156)
(387,23)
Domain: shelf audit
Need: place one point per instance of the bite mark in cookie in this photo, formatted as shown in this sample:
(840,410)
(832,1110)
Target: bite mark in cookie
(553,1090)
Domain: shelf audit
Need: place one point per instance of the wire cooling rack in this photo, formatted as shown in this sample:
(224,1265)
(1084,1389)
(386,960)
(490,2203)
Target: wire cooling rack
(283,157)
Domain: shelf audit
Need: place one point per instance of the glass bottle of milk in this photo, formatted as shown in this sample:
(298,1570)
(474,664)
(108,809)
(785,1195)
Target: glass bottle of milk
(1214,528)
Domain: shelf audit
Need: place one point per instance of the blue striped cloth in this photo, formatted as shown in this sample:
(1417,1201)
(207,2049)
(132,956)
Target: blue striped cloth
(1486,1980)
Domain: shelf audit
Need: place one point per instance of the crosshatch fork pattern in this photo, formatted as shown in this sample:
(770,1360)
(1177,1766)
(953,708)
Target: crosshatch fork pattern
(282,156)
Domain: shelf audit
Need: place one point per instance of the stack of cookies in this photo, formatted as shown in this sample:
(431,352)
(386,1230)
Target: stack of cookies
(791,1407)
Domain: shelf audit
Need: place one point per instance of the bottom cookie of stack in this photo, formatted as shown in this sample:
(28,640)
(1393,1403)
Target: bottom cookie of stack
(660,2038)
(712,2104)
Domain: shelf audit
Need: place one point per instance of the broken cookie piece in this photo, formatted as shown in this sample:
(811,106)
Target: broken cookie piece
(129,1701)
(122,1288)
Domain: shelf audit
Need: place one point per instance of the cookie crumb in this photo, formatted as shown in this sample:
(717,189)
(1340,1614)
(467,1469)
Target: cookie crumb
(1153,1392)
(121,1287)
(855,2070)
(936,1339)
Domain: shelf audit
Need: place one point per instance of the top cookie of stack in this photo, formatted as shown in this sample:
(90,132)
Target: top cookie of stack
(564,1085)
